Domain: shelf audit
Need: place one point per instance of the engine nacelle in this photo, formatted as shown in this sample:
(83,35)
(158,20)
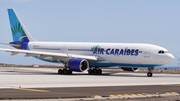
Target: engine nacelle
(130,69)
(78,65)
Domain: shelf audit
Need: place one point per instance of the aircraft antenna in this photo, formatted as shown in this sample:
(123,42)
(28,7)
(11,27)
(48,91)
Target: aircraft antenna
(178,63)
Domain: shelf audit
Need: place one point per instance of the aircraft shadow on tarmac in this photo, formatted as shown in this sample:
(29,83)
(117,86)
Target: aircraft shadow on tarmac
(115,74)
(127,75)
(15,72)
(74,74)
(118,74)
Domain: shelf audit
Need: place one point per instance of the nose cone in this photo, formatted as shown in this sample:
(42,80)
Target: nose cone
(170,58)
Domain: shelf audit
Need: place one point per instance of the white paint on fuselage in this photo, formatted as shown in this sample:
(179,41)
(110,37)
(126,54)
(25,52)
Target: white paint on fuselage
(147,53)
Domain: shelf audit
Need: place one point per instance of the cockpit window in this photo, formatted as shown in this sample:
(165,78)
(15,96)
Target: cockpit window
(162,52)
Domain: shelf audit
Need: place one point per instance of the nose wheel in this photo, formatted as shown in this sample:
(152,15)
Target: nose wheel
(150,74)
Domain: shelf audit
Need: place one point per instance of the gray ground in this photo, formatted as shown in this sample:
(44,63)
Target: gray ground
(47,77)
(82,84)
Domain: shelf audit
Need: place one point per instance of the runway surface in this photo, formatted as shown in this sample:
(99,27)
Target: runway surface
(46,83)
(47,77)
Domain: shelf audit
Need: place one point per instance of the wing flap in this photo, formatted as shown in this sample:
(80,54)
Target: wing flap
(14,53)
(29,54)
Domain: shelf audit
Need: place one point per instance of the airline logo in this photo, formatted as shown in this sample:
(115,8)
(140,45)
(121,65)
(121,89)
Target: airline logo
(112,51)
(18,33)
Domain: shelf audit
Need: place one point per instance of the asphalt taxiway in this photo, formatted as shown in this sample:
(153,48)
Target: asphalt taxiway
(46,83)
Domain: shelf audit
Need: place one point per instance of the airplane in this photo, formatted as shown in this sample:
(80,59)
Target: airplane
(86,56)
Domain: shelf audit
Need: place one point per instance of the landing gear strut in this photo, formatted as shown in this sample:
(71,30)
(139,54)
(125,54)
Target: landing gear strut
(95,71)
(149,74)
(64,71)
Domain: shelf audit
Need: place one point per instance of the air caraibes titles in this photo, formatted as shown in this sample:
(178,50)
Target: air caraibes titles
(111,51)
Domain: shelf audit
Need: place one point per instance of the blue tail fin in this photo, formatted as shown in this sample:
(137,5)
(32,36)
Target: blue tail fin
(19,32)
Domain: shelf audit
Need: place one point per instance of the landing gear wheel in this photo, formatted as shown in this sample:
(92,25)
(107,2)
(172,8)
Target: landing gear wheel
(69,72)
(90,71)
(66,72)
(149,74)
(60,71)
(99,71)
(95,71)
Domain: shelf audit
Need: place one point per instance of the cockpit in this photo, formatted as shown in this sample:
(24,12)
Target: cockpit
(162,52)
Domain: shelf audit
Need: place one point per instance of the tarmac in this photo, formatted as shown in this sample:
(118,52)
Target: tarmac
(45,83)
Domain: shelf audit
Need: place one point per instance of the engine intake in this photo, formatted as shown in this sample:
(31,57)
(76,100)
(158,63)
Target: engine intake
(130,69)
(78,65)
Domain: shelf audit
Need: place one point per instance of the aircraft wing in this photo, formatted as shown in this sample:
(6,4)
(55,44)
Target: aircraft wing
(55,56)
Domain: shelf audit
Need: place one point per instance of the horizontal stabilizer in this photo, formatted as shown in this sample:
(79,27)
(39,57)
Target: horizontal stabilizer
(15,45)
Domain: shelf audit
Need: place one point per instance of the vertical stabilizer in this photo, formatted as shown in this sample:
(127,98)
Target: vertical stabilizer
(19,32)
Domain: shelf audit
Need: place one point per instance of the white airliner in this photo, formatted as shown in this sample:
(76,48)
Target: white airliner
(83,56)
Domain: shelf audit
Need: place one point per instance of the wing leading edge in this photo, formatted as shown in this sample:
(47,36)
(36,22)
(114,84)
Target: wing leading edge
(55,56)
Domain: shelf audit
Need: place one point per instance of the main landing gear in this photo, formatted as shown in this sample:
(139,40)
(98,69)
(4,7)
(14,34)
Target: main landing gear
(95,71)
(149,74)
(64,71)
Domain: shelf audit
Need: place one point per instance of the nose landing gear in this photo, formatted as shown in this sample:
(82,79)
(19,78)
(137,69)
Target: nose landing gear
(149,74)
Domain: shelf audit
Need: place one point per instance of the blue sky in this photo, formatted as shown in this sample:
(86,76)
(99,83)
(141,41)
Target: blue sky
(118,21)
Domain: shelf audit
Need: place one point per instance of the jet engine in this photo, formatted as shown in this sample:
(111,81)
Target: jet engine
(130,69)
(78,65)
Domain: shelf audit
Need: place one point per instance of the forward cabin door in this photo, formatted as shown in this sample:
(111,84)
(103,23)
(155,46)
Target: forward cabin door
(63,49)
(147,52)
(147,55)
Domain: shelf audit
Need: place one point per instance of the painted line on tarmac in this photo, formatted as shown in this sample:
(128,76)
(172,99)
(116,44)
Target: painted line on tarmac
(36,90)
(170,85)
